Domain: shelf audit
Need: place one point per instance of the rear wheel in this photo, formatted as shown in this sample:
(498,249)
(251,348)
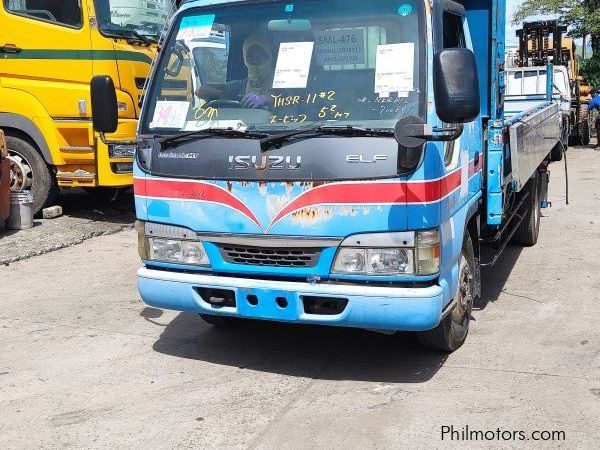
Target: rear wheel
(452,331)
(585,133)
(529,229)
(557,152)
(584,125)
(29,172)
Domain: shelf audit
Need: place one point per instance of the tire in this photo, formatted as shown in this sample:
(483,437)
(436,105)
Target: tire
(584,125)
(452,331)
(529,229)
(557,153)
(29,172)
(219,321)
(575,139)
(586,133)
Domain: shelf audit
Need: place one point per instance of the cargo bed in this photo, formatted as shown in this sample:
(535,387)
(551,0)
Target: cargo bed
(530,133)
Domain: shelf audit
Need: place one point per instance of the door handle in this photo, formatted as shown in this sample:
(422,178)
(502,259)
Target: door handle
(10,48)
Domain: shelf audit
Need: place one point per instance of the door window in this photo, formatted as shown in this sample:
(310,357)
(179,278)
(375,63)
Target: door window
(61,12)
(454,36)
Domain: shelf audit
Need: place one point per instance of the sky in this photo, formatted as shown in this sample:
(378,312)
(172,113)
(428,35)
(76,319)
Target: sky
(511,7)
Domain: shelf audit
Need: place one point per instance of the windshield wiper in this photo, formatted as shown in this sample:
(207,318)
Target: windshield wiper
(209,132)
(129,33)
(345,130)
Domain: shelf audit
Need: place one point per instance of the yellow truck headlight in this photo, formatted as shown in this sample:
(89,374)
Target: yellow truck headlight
(121,150)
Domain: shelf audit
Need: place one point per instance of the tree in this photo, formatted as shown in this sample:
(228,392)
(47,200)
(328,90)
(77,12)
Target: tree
(582,16)
(590,69)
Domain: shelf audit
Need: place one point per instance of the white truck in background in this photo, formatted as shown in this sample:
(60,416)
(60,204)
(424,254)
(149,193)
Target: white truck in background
(526,88)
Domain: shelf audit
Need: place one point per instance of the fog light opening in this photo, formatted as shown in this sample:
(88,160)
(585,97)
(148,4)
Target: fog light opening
(252,300)
(221,298)
(281,302)
(324,306)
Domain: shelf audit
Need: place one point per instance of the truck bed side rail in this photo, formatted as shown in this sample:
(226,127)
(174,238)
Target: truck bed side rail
(533,134)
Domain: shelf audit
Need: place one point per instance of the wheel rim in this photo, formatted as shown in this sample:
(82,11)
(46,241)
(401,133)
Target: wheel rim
(464,300)
(21,172)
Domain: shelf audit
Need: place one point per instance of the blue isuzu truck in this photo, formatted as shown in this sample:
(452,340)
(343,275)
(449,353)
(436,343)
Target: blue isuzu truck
(333,162)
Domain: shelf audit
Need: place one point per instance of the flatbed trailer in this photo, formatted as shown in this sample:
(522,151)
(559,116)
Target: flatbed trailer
(363,183)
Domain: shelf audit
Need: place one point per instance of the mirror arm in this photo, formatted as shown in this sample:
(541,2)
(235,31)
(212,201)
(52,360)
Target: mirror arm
(107,142)
(446,134)
(103,138)
(455,133)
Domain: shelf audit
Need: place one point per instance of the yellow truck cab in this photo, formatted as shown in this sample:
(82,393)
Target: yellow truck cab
(49,51)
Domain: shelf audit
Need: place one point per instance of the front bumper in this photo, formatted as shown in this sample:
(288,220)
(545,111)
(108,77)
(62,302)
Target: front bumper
(386,308)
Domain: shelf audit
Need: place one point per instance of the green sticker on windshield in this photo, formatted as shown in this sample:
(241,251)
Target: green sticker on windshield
(196,27)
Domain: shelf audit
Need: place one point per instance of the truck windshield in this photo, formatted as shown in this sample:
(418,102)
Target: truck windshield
(279,66)
(147,18)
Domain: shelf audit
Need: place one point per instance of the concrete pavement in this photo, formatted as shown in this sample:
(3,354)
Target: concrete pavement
(85,216)
(84,364)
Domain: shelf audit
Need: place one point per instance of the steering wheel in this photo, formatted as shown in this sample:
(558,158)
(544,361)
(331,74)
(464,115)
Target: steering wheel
(223,104)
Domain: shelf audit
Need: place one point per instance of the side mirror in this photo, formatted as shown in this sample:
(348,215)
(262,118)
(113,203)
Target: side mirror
(456,85)
(105,114)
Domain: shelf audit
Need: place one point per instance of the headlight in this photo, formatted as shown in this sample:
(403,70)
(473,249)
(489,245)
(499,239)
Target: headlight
(178,252)
(389,254)
(121,150)
(374,261)
(170,244)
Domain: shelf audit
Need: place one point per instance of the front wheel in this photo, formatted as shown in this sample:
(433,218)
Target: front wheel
(29,172)
(452,331)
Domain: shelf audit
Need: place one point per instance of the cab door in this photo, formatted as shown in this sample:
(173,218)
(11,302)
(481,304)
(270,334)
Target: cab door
(45,50)
(464,154)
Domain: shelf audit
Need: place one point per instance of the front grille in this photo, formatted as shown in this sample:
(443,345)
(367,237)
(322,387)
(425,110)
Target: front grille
(267,256)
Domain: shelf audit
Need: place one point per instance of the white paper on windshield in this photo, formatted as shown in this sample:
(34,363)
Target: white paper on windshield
(169,114)
(339,47)
(293,65)
(196,27)
(395,68)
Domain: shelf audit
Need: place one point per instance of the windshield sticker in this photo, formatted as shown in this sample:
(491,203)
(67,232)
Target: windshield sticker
(329,110)
(339,47)
(394,68)
(388,105)
(196,27)
(170,114)
(293,65)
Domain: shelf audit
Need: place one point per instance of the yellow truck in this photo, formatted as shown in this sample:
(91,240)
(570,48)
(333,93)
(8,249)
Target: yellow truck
(49,52)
